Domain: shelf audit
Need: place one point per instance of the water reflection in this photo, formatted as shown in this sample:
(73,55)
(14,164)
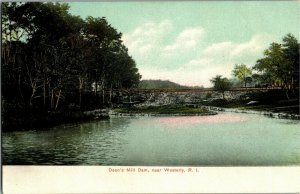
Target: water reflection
(88,143)
(220,118)
(227,139)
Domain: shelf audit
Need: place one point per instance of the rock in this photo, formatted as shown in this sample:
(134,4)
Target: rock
(252,102)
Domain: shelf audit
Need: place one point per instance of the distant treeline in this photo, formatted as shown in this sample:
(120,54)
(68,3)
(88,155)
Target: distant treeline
(163,84)
(53,61)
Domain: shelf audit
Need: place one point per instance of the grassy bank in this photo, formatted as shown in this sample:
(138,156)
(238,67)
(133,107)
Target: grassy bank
(271,101)
(281,106)
(164,109)
(272,108)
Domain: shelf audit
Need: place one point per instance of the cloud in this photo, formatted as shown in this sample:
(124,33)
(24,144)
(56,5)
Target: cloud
(198,63)
(186,76)
(157,60)
(232,50)
(147,44)
(223,47)
(215,59)
(199,71)
(187,39)
(146,37)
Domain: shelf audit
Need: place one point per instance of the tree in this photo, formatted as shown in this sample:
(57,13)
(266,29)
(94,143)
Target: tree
(242,72)
(221,84)
(281,64)
(291,57)
(261,80)
(51,59)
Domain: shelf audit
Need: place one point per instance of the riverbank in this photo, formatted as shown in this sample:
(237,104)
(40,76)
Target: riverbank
(174,110)
(199,110)
(259,111)
(24,120)
(272,100)
(262,102)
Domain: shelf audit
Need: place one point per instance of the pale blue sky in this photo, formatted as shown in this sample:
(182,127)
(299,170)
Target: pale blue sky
(189,42)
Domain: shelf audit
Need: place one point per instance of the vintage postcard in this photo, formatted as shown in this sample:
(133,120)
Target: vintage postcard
(150,97)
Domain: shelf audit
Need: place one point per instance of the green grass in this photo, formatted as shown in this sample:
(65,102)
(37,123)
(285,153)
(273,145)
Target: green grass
(285,107)
(165,109)
(272,108)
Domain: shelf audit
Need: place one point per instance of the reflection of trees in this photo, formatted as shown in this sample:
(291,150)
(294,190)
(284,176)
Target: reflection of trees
(66,144)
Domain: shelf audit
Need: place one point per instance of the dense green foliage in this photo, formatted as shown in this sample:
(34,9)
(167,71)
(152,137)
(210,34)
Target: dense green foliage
(242,72)
(279,68)
(165,109)
(265,100)
(221,84)
(52,60)
(280,65)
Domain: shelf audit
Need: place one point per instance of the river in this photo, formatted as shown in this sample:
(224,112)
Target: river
(226,139)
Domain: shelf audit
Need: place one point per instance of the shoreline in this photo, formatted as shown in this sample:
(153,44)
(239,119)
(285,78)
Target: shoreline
(52,120)
(280,115)
(117,114)
(213,110)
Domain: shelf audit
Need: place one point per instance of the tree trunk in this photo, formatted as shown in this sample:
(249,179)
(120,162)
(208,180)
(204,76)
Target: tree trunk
(58,97)
(52,99)
(287,94)
(80,96)
(81,81)
(32,94)
(20,90)
(103,92)
(110,93)
(292,85)
(96,87)
(49,98)
(118,97)
(44,93)
(103,96)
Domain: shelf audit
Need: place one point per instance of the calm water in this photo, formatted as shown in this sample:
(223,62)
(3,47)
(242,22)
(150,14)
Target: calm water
(227,139)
